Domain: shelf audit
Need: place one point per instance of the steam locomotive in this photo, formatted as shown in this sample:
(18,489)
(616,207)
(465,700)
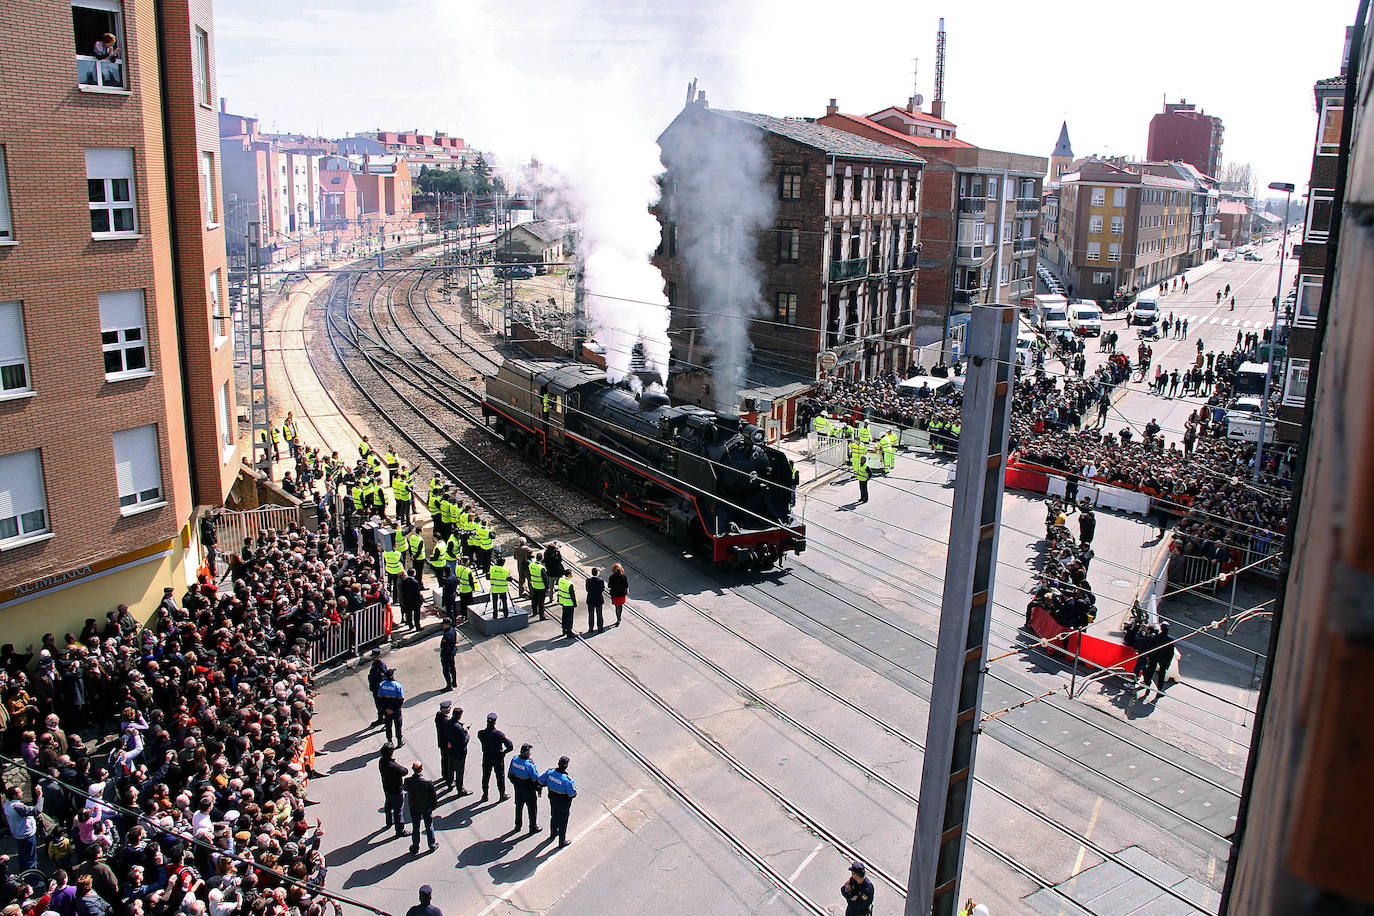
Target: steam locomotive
(706,480)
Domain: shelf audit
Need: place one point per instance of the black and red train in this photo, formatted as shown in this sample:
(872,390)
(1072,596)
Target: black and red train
(706,480)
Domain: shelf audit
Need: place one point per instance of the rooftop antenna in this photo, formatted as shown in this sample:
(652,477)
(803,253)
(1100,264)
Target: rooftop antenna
(937,104)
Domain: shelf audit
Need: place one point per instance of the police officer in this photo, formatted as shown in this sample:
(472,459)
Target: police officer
(391,696)
(448,651)
(862,474)
(524,780)
(375,675)
(424,907)
(392,776)
(458,739)
(857,892)
(538,587)
(567,603)
(495,747)
(499,577)
(441,737)
(422,798)
(561,793)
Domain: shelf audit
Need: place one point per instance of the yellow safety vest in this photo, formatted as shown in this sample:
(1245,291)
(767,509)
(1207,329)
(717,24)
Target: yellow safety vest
(276,436)
(363,449)
(447,513)
(435,504)
(483,537)
(865,434)
(565,597)
(400,488)
(416,543)
(357,495)
(391,560)
(464,575)
(391,459)
(288,429)
(438,558)
(536,575)
(466,522)
(499,577)
(455,547)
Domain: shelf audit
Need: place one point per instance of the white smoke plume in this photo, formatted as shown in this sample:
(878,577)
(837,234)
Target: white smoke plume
(586,87)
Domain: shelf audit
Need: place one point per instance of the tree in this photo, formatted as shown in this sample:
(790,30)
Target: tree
(1238,177)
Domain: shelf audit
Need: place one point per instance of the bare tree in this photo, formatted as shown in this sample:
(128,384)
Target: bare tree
(1238,177)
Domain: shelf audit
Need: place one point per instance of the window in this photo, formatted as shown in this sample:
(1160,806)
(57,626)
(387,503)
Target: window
(791,186)
(1099,196)
(1094,251)
(6,226)
(203,67)
(207,188)
(23,499)
(1094,223)
(1329,128)
(1118,225)
(226,426)
(98,27)
(787,308)
(1003,275)
(1295,385)
(138,469)
(992,188)
(221,323)
(110,190)
(14,354)
(1101,277)
(1309,300)
(122,334)
(1114,252)
(1318,218)
(789,246)
(854,192)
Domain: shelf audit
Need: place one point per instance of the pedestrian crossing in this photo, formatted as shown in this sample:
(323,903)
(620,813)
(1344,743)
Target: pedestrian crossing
(1233,322)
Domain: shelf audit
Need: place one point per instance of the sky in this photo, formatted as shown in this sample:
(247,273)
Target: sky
(509,76)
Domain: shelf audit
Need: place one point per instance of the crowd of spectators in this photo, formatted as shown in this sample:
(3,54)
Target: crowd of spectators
(163,769)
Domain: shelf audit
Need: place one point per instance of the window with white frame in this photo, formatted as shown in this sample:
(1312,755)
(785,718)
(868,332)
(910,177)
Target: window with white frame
(138,467)
(220,320)
(23,498)
(1099,196)
(203,88)
(1095,223)
(226,425)
(1295,385)
(1118,225)
(992,188)
(1309,303)
(14,353)
(98,26)
(1094,251)
(110,191)
(207,188)
(123,334)
(786,310)
(1318,218)
(1118,197)
(6,223)
(1329,128)
(1114,252)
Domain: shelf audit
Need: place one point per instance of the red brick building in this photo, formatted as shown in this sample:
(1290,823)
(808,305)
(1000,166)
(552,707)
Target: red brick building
(117,415)
(1184,133)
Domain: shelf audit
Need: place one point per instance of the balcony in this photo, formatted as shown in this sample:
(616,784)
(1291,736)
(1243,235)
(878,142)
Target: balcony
(852,269)
(1027,206)
(94,73)
(968,296)
(1023,246)
(904,261)
(972,204)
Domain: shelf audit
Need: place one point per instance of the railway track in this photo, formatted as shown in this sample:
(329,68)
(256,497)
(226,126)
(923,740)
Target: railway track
(487,497)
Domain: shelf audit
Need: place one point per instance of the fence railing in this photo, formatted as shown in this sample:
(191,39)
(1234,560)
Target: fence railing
(1185,571)
(369,627)
(233,526)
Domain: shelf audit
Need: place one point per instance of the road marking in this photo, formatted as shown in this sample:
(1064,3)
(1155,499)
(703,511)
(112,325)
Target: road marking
(511,891)
(1087,835)
(800,868)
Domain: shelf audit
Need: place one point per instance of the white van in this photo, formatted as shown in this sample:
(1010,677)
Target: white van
(1025,349)
(1085,318)
(1052,314)
(1145,309)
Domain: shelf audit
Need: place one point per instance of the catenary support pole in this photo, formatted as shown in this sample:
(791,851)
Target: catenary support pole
(965,613)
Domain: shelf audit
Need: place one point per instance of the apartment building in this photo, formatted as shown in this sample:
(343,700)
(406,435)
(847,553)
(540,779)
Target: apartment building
(979,218)
(838,265)
(436,151)
(1121,228)
(1181,131)
(116,396)
(1204,201)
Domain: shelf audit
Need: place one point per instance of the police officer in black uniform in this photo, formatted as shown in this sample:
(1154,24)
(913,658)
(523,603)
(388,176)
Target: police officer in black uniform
(393,776)
(448,651)
(857,892)
(375,675)
(458,751)
(495,747)
(442,736)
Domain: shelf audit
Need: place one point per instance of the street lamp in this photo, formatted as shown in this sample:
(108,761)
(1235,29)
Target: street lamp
(1287,188)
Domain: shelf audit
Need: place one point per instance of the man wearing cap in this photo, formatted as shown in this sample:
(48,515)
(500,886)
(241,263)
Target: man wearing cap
(424,907)
(524,778)
(375,675)
(441,733)
(448,651)
(422,799)
(495,747)
(458,751)
(391,696)
(561,793)
(857,892)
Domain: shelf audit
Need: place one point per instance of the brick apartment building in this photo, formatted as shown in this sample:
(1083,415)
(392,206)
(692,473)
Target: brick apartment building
(979,217)
(116,396)
(1321,184)
(1120,227)
(1184,133)
(436,151)
(271,179)
(839,265)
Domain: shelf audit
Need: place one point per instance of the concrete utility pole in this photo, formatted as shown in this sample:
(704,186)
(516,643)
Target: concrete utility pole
(937,859)
(257,352)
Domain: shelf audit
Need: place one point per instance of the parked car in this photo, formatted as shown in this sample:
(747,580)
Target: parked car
(1251,256)
(1229,256)
(515,272)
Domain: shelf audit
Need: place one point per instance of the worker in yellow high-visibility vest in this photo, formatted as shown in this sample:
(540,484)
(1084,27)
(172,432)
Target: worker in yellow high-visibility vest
(567,603)
(500,588)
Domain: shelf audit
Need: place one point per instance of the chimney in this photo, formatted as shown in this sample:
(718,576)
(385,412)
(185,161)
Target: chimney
(937,108)
(911,105)
(701,99)
(832,108)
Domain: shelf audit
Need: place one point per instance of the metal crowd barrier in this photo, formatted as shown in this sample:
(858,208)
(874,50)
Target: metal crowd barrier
(235,525)
(369,627)
(1187,570)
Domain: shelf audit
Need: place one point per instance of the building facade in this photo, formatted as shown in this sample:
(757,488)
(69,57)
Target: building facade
(838,265)
(1184,133)
(117,413)
(979,218)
